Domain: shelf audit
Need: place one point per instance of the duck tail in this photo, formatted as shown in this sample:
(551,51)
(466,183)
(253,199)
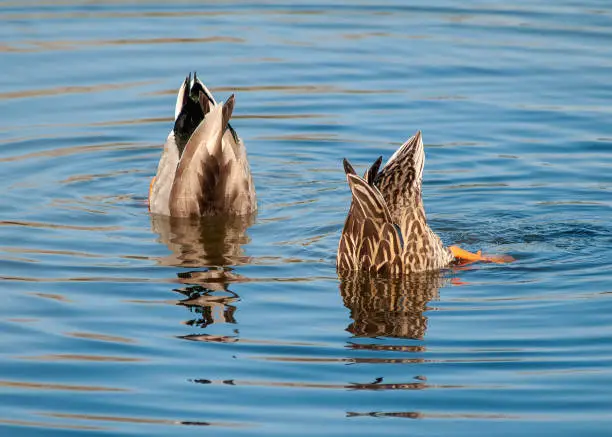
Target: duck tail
(201,176)
(372,172)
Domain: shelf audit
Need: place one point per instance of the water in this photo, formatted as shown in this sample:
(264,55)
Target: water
(117,323)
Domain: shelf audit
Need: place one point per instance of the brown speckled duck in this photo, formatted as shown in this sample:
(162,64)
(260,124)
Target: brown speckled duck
(386,229)
(203,170)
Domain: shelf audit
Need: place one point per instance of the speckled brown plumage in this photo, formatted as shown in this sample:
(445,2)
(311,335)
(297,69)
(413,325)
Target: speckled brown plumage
(386,229)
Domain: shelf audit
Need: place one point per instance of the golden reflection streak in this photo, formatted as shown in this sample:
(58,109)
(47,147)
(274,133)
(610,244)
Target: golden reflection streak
(147,120)
(136,121)
(57,297)
(65,151)
(290,89)
(51,386)
(148,14)
(71,90)
(13,140)
(119,280)
(132,41)
(99,14)
(77,357)
(230,339)
(303,89)
(101,337)
(87,279)
(19,259)
(141,420)
(48,252)
(91,177)
(114,418)
(35,46)
(13,422)
(60,226)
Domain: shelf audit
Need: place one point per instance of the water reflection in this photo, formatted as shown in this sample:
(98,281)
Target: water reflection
(205,242)
(384,307)
(211,246)
(211,305)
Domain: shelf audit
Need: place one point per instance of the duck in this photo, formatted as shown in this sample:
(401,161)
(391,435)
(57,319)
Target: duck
(203,169)
(386,230)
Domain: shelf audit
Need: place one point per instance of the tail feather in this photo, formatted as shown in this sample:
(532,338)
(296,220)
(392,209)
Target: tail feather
(188,197)
(209,179)
(198,86)
(407,164)
(182,95)
(372,172)
(400,180)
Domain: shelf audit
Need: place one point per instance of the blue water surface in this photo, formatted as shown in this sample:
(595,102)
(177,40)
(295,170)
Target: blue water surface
(115,322)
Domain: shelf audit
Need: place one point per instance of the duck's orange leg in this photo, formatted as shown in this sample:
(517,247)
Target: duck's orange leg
(464,255)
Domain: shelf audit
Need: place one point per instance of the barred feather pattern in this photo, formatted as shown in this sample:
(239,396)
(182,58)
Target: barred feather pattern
(386,229)
(423,250)
(400,180)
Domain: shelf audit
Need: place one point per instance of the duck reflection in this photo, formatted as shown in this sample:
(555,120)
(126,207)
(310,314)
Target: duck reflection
(384,307)
(210,305)
(203,242)
(210,246)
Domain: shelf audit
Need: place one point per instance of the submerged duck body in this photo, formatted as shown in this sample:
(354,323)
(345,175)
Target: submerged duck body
(203,170)
(386,229)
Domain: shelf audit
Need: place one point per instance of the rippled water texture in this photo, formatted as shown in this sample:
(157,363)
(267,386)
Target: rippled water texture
(118,323)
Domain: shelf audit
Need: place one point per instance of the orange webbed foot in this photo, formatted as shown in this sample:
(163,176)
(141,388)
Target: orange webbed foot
(464,255)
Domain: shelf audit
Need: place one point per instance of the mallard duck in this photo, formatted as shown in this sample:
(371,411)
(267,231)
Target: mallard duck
(386,229)
(203,169)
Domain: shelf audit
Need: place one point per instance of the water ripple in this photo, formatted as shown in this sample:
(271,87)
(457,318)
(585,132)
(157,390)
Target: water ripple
(119,322)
